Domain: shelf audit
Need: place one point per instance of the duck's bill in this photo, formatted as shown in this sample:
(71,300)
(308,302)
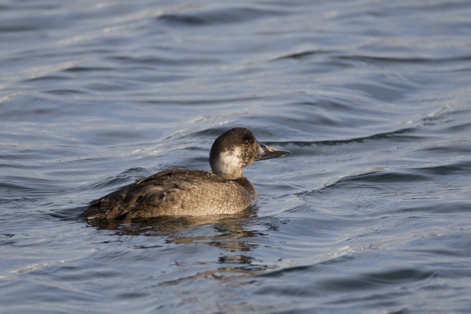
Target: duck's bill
(268,152)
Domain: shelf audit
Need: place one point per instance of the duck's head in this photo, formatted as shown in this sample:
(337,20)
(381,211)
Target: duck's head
(236,149)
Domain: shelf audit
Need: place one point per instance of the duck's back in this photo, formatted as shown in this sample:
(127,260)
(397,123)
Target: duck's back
(175,192)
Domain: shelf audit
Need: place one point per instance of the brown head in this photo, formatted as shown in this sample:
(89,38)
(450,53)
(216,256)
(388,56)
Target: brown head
(236,149)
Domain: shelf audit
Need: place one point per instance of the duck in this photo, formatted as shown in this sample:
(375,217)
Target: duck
(191,192)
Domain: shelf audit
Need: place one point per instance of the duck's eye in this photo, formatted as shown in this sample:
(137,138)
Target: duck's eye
(246,141)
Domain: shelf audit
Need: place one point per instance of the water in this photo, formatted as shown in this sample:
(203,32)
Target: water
(370,214)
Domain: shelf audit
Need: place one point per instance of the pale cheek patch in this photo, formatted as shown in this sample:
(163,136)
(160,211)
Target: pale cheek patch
(232,160)
(229,164)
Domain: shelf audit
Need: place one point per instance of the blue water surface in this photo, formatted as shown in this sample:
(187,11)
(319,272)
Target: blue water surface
(371,213)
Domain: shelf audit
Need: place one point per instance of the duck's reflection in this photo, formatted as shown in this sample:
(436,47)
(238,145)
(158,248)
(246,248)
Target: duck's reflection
(226,232)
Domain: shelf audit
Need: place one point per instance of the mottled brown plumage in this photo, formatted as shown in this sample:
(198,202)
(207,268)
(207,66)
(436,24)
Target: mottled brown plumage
(183,192)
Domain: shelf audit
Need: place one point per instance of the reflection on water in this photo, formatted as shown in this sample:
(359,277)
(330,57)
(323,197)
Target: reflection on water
(168,226)
(225,232)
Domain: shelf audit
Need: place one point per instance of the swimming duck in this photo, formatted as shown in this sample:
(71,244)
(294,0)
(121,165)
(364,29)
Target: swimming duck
(184,192)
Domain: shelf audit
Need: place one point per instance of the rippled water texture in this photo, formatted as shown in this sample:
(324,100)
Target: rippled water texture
(370,214)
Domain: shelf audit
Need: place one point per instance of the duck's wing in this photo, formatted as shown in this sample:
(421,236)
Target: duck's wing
(181,174)
(159,175)
(156,195)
